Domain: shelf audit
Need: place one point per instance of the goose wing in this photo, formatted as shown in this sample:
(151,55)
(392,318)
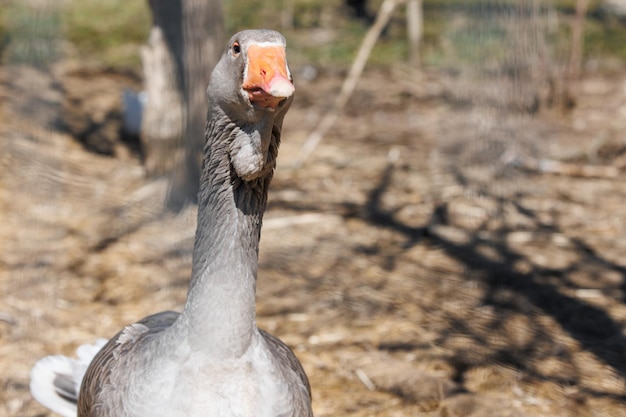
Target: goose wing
(105,360)
(300,387)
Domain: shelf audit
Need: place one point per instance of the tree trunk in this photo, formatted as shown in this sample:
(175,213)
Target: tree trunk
(192,32)
(415,29)
(575,64)
(163,115)
(203,33)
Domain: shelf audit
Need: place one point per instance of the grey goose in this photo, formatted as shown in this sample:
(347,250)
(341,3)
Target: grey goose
(211,359)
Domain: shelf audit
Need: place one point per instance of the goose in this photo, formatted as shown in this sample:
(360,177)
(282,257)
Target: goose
(210,359)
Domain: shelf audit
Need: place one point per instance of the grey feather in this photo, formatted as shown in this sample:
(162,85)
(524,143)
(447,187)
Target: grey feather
(211,359)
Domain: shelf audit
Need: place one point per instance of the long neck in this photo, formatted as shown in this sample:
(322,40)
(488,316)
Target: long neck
(220,308)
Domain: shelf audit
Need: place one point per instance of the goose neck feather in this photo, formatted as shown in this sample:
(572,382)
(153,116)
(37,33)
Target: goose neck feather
(219,316)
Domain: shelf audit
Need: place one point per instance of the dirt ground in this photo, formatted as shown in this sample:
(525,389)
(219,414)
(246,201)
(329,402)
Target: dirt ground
(423,262)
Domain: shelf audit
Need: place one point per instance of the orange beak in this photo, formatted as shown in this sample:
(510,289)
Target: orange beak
(267,77)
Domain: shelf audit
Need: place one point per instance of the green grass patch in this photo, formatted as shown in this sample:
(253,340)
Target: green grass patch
(31,35)
(106,32)
(605,38)
(456,32)
(109,31)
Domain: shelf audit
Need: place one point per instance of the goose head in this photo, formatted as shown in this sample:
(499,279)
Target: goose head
(251,89)
(252,78)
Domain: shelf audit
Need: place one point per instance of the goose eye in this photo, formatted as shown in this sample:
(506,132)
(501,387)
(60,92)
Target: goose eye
(236,48)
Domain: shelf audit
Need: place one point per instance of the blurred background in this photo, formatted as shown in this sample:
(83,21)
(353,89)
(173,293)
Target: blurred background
(445,234)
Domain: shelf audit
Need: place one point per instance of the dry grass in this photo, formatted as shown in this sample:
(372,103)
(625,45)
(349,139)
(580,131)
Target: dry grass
(434,280)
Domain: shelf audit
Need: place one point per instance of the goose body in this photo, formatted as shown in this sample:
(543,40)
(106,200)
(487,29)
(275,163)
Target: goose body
(211,359)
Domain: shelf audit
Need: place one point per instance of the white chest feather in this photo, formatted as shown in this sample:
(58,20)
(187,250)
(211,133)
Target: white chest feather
(249,386)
